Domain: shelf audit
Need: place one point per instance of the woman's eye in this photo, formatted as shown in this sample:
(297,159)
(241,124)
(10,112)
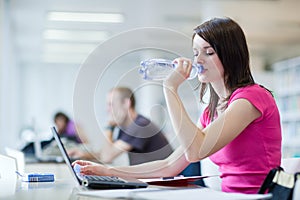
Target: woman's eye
(209,53)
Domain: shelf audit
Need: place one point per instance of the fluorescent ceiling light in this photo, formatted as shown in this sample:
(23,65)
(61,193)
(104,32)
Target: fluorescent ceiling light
(61,58)
(85,17)
(75,35)
(69,48)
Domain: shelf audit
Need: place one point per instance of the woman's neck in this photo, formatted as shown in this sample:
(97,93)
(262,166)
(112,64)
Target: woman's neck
(220,90)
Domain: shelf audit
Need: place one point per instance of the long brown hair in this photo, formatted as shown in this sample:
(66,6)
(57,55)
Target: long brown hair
(228,40)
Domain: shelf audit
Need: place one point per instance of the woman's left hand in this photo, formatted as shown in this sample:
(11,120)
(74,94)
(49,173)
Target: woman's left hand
(180,74)
(92,168)
(96,169)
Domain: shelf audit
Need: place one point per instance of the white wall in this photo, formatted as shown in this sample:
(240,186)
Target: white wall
(46,90)
(9,82)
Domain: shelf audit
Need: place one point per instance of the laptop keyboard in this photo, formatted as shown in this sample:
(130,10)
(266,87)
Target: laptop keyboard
(103,178)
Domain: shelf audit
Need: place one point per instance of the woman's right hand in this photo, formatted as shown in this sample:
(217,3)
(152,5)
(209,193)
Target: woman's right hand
(180,74)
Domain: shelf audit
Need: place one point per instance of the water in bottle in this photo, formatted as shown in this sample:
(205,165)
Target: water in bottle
(159,69)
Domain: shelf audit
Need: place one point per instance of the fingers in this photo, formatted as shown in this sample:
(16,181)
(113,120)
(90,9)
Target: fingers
(184,62)
(86,170)
(184,66)
(82,162)
(84,166)
(180,74)
(91,170)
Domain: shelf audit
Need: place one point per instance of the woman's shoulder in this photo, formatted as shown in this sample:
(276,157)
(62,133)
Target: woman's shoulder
(249,88)
(256,94)
(251,91)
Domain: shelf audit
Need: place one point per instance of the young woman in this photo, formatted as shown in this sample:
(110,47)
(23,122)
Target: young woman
(240,128)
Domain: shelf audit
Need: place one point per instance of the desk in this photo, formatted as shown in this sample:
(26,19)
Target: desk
(60,189)
(65,187)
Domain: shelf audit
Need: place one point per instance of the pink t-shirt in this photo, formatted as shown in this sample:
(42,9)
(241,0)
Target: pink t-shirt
(245,161)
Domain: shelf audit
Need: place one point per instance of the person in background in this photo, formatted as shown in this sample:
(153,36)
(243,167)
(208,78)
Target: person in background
(66,128)
(137,135)
(239,129)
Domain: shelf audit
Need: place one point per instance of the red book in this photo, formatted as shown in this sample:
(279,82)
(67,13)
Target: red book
(177,181)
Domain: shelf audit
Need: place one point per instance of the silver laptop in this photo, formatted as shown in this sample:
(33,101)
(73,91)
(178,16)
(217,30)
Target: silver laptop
(97,182)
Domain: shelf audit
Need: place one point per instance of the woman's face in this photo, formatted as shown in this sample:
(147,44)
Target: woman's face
(205,55)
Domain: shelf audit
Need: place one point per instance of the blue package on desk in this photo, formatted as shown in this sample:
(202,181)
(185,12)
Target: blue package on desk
(38,177)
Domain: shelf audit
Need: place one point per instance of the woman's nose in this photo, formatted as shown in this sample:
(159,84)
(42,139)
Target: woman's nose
(199,59)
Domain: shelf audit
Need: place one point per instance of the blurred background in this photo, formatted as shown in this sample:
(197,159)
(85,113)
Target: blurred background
(45,43)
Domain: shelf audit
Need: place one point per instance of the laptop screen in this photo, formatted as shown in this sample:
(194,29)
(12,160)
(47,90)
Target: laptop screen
(98,182)
(64,154)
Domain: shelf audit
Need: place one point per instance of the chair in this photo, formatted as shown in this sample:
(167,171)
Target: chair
(193,169)
(209,168)
(292,165)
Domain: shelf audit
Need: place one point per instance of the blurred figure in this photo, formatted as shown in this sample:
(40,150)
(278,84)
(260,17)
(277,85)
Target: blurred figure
(137,135)
(72,136)
(68,132)
(66,128)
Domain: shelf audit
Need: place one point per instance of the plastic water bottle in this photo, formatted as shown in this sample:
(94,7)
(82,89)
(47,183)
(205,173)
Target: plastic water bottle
(159,69)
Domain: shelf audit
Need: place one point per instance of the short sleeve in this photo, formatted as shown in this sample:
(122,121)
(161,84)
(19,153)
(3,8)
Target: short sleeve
(135,142)
(204,118)
(258,96)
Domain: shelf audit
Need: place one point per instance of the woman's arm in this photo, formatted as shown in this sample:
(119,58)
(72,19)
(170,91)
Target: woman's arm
(170,166)
(199,143)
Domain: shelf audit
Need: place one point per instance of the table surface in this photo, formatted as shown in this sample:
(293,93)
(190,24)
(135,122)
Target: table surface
(64,186)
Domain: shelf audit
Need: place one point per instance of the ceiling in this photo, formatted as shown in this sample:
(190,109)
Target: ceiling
(272,27)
